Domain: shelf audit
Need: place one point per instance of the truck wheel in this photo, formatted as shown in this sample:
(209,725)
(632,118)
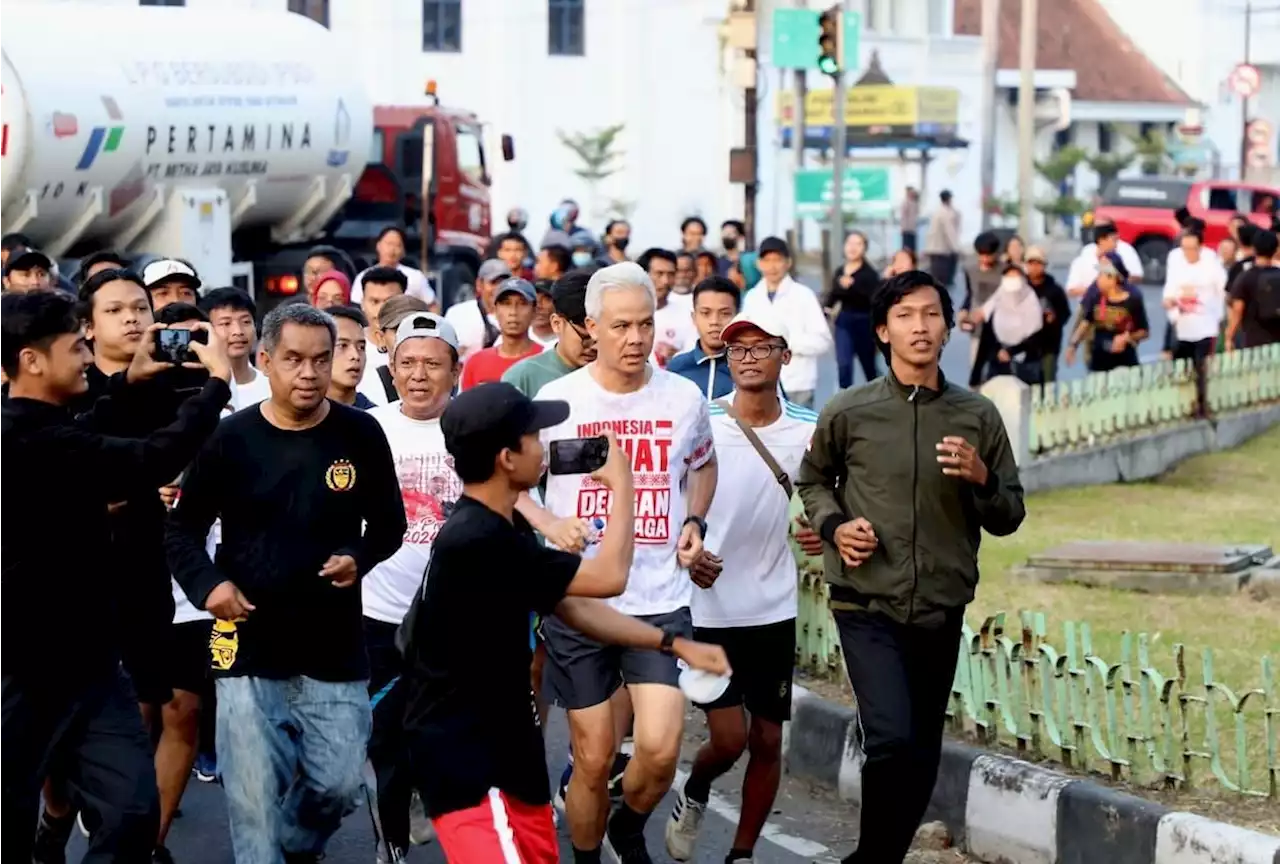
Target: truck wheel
(1154,252)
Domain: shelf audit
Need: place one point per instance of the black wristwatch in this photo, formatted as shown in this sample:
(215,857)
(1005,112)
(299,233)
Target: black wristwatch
(699,521)
(669,638)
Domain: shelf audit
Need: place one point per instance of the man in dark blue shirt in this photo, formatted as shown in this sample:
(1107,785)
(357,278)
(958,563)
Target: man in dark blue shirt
(715,301)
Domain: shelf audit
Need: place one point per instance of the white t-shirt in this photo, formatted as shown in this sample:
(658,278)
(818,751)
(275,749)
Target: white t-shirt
(748,522)
(419,285)
(667,430)
(467,323)
(545,343)
(429,489)
(243,395)
(370,381)
(673,325)
(1200,292)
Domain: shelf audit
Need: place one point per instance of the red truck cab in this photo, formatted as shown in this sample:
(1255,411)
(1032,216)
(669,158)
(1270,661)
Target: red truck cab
(1143,208)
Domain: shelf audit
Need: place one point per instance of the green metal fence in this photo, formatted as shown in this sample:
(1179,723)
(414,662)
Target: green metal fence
(1106,405)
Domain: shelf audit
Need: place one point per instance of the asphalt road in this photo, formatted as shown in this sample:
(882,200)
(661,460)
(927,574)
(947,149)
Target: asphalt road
(808,824)
(955,357)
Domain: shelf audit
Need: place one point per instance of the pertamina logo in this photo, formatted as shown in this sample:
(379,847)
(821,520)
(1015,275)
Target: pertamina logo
(341,476)
(103,139)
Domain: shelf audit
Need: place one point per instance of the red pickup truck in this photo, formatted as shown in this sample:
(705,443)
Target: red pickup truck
(1143,208)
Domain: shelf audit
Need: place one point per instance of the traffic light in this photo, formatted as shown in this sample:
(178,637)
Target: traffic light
(829,48)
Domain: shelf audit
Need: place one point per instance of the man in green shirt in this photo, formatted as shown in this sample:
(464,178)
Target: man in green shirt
(573,348)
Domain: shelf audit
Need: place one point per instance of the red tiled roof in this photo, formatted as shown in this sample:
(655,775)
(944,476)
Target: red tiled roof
(1079,35)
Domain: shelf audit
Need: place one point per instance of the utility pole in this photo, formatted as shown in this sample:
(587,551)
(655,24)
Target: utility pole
(1027,117)
(797,141)
(1244,99)
(990,63)
(749,144)
(838,148)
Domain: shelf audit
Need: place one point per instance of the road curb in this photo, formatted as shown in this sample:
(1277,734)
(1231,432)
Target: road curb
(1001,809)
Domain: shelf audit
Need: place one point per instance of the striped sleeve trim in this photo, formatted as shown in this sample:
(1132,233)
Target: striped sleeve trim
(799,412)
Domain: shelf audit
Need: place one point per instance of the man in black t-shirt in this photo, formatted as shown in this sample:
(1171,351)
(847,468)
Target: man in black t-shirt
(475,742)
(1117,317)
(309,500)
(1254,310)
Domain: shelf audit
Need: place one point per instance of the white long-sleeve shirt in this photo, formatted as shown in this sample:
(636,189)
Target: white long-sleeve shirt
(1084,267)
(808,335)
(1199,290)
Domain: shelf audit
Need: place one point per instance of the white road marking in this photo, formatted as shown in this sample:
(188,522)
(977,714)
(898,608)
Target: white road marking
(800,846)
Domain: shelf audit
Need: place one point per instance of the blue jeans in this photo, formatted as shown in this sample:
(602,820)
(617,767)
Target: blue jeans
(854,339)
(291,754)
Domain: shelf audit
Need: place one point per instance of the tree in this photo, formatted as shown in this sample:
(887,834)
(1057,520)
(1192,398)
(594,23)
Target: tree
(1152,151)
(1109,165)
(1061,164)
(598,154)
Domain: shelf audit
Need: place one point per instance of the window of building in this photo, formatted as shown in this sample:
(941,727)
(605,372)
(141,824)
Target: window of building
(1104,138)
(471,154)
(162,2)
(442,25)
(316,10)
(565,28)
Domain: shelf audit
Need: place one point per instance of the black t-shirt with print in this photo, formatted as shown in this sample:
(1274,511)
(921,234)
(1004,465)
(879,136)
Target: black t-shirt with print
(288,500)
(471,721)
(1259,290)
(1110,318)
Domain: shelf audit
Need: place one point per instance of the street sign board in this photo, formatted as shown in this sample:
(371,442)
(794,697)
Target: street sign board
(866,192)
(795,38)
(1245,80)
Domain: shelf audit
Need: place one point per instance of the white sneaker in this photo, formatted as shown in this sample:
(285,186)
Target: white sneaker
(80,824)
(420,828)
(683,826)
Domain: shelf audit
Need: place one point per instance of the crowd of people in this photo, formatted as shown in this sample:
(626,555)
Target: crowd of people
(335,536)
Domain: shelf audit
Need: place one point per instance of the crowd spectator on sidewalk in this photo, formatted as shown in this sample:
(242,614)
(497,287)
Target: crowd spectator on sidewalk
(848,306)
(1056,307)
(942,242)
(909,218)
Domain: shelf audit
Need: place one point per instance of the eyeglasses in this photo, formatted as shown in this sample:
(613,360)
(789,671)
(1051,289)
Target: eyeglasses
(587,341)
(757,352)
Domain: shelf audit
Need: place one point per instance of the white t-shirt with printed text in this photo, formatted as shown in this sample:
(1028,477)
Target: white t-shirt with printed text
(429,489)
(666,429)
(673,325)
(747,525)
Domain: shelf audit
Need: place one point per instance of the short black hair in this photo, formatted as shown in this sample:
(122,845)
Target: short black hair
(335,256)
(1248,234)
(1195,227)
(1181,215)
(718,285)
(647,256)
(102,277)
(609,227)
(693,220)
(351,313)
(895,288)
(386,276)
(102,256)
(228,298)
(1264,242)
(15,240)
(33,320)
(735,224)
(569,293)
(715,260)
(178,313)
(986,243)
(1103,231)
(510,235)
(562,256)
(389,229)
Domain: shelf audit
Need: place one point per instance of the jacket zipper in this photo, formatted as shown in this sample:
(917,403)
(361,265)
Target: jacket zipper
(915,491)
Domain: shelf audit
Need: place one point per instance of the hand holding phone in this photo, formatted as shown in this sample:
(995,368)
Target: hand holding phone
(579,455)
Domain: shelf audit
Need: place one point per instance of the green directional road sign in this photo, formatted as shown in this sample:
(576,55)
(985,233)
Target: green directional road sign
(795,39)
(866,192)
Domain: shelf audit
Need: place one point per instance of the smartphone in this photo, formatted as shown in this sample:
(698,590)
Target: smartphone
(579,455)
(174,346)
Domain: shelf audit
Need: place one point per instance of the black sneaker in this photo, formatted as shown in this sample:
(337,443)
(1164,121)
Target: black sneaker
(51,839)
(620,763)
(161,856)
(302,857)
(626,850)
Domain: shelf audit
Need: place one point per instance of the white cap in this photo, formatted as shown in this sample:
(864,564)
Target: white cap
(763,319)
(425,325)
(169,268)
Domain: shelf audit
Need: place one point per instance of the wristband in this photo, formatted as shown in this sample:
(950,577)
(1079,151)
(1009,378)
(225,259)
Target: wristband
(669,638)
(699,521)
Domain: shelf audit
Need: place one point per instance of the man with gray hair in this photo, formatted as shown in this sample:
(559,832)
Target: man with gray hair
(309,501)
(663,423)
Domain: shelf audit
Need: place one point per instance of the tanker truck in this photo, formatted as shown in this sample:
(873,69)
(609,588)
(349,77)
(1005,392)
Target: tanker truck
(236,141)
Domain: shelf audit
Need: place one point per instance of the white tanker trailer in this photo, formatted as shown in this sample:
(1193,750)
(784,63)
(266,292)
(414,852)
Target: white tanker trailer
(215,137)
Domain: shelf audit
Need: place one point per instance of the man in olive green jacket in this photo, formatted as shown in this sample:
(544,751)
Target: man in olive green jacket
(903,475)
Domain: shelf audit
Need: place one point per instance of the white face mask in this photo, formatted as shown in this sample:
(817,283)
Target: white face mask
(1011,284)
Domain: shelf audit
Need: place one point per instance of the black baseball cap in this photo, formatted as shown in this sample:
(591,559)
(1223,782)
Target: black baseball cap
(480,422)
(26,259)
(774,244)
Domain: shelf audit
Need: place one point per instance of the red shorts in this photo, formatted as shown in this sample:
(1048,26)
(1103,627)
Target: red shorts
(501,830)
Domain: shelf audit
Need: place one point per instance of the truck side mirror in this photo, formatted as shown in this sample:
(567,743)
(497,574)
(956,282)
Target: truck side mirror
(508,148)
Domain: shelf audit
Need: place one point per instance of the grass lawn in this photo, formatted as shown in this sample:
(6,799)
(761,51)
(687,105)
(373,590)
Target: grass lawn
(1220,498)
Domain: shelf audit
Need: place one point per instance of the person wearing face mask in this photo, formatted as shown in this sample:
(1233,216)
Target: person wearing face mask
(617,234)
(732,233)
(1010,344)
(583,256)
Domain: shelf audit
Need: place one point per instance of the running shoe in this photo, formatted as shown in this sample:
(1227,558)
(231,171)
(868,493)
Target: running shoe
(206,768)
(420,828)
(683,826)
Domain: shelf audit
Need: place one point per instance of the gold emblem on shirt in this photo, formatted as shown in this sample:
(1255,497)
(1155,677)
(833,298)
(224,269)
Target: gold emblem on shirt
(224,644)
(341,476)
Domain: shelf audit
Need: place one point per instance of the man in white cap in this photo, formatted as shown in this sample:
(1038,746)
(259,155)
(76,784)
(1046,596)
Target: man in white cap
(760,439)
(424,367)
(663,422)
(171,280)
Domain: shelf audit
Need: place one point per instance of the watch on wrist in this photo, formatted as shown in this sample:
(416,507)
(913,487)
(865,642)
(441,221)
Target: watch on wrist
(700,522)
(669,638)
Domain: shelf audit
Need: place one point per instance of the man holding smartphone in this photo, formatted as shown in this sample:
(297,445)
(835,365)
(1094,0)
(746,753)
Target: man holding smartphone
(663,423)
(903,475)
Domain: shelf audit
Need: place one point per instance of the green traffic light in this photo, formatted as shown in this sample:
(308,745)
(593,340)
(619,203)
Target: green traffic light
(827,65)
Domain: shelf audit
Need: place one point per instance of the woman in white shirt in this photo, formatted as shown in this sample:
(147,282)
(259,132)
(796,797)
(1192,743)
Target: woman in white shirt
(1194,302)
